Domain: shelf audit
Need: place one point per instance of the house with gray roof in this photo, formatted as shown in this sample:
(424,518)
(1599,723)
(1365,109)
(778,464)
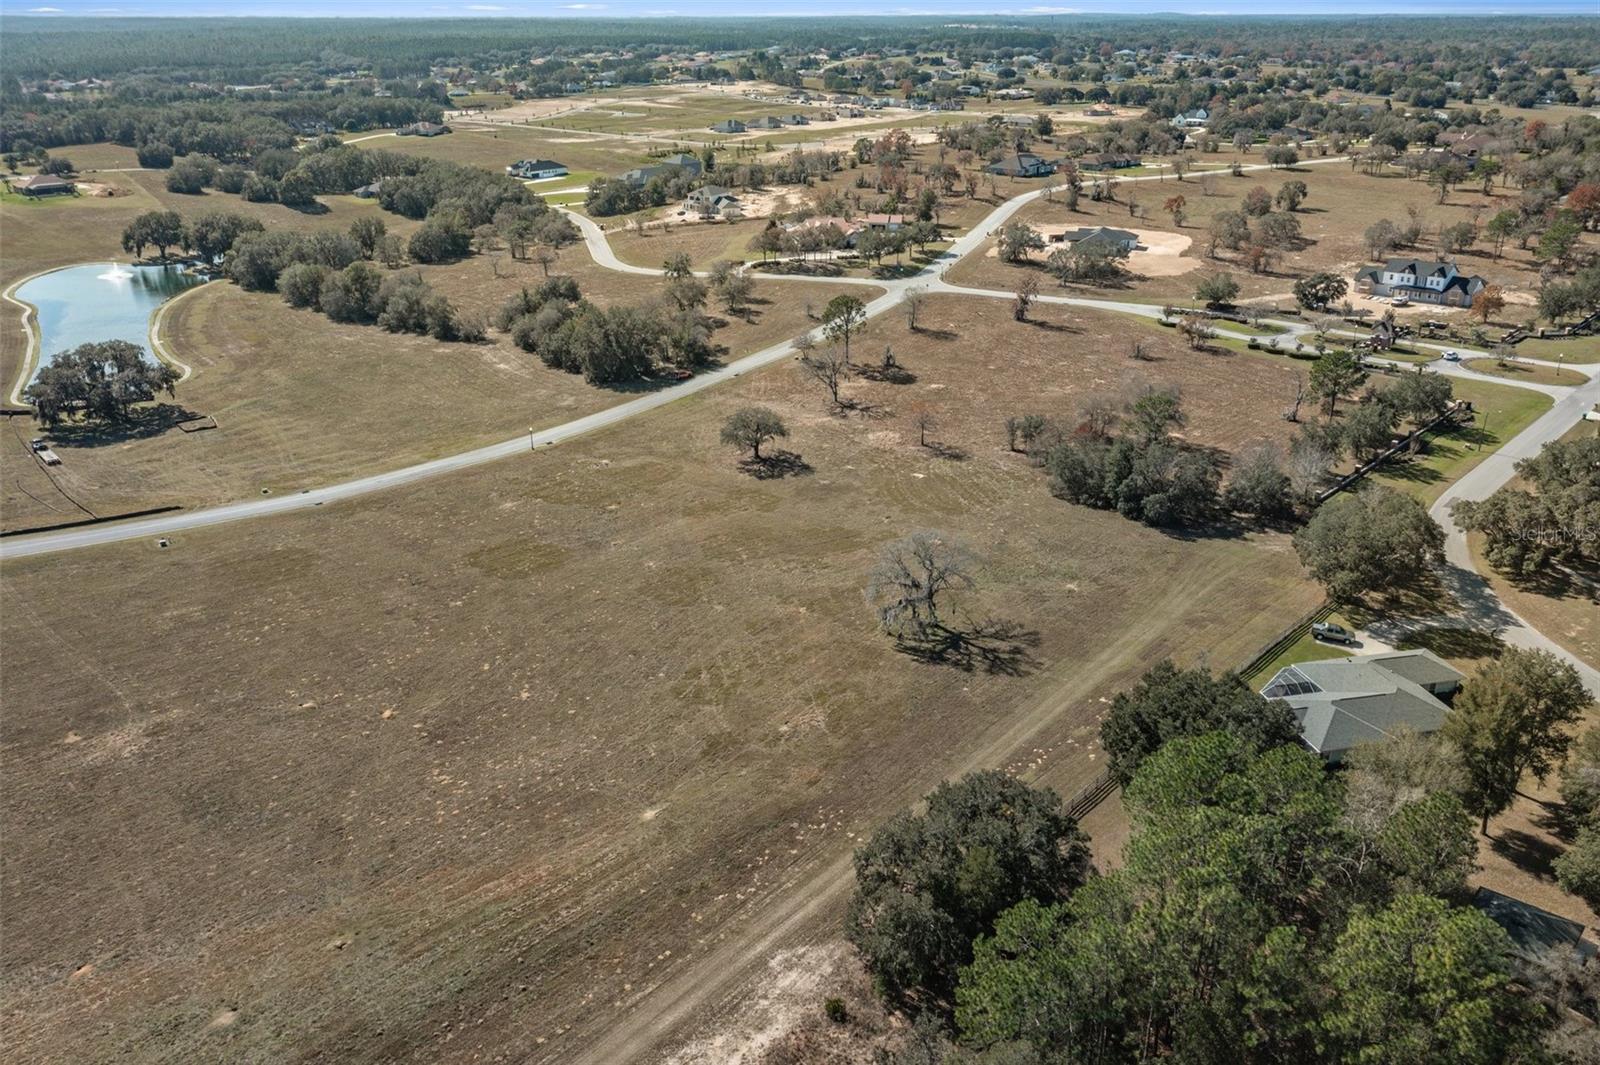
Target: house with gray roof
(1342,703)
(1121,239)
(1421,280)
(1021,164)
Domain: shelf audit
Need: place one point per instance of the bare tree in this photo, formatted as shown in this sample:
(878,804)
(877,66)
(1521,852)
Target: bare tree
(1138,351)
(923,418)
(1309,460)
(1293,413)
(1026,292)
(1099,413)
(912,578)
(826,366)
(913,302)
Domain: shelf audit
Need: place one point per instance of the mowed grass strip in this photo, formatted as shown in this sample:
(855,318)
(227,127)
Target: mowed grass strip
(501,746)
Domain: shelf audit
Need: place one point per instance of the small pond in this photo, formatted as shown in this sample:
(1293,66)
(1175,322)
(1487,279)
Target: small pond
(99,301)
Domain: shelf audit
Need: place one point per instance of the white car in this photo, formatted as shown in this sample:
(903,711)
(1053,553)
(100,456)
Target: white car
(1451,355)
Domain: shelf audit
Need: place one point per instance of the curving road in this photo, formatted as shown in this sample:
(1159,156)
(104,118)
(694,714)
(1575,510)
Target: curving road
(930,279)
(718,975)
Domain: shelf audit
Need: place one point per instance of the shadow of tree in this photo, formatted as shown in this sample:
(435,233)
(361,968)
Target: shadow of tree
(1453,642)
(889,375)
(948,451)
(994,646)
(936,334)
(776,466)
(141,424)
(1526,851)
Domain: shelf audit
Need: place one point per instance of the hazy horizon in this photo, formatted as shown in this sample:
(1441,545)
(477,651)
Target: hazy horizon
(644,9)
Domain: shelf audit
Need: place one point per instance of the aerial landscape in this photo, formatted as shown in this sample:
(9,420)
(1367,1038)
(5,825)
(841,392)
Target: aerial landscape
(584,533)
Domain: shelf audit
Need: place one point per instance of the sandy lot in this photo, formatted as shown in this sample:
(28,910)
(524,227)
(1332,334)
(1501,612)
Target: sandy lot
(1160,253)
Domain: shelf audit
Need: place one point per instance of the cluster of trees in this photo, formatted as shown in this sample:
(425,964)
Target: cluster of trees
(1260,234)
(610,345)
(102,381)
(1265,909)
(1376,540)
(1141,472)
(1552,524)
(1578,869)
(613,196)
(870,244)
(360,293)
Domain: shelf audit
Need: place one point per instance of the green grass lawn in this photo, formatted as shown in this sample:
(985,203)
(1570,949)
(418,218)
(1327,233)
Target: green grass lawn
(1306,649)
(1502,413)
(1576,349)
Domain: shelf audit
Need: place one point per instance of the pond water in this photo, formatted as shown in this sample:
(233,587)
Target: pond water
(99,301)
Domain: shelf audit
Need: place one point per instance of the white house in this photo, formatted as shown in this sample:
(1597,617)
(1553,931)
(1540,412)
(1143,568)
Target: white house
(1195,119)
(1421,280)
(536,169)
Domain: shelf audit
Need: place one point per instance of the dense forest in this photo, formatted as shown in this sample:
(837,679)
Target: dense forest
(254,49)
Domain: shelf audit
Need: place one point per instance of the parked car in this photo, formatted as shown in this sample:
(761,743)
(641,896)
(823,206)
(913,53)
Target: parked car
(1452,355)
(1331,633)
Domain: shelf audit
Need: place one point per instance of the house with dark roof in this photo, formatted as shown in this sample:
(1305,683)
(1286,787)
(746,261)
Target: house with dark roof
(1121,239)
(367,192)
(728,125)
(536,169)
(1342,703)
(1533,931)
(42,185)
(681,163)
(1022,164)
(1108,161)
(1421,280)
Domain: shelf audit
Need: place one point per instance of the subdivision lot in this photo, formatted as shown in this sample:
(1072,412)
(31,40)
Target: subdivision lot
(301,400)
(476,764)
(1563,601)
(1500,412)
(1340,205)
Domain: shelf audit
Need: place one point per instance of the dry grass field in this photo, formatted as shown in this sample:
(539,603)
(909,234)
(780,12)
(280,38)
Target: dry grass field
(302,401)
(466,769)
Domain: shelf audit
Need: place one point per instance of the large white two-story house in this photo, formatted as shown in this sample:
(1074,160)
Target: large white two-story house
(1421,280)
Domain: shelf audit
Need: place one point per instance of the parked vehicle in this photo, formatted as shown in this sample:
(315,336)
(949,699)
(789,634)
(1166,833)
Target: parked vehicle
(1328,632)
(1452,355)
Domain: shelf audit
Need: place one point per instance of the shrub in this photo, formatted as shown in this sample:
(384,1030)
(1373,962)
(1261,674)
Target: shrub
(301,284)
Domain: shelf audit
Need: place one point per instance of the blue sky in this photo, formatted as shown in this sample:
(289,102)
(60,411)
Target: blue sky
(657,8)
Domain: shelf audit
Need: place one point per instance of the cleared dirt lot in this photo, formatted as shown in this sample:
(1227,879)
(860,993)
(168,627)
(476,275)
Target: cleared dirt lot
(301,400)
(478,764)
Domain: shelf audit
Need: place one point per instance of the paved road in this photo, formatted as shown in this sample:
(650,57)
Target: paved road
(600,248)
(1483,609)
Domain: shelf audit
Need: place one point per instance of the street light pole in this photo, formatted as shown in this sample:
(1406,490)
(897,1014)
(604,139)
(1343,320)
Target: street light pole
(530,438)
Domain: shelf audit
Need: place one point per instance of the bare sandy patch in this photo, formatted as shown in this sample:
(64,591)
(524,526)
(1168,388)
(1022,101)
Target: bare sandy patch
(795,980)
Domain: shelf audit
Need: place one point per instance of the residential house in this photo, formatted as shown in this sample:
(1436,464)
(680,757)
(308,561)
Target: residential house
(1108,161)
(728,125)
(797,119)
(1121,239)
(536,169)
(1424,281)
(887,222)
(42,185)
(710,201)
(848,229)
(1022,164)
(367,192)
(1195,119)
(767,122)
(422,129)
(1342,703)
